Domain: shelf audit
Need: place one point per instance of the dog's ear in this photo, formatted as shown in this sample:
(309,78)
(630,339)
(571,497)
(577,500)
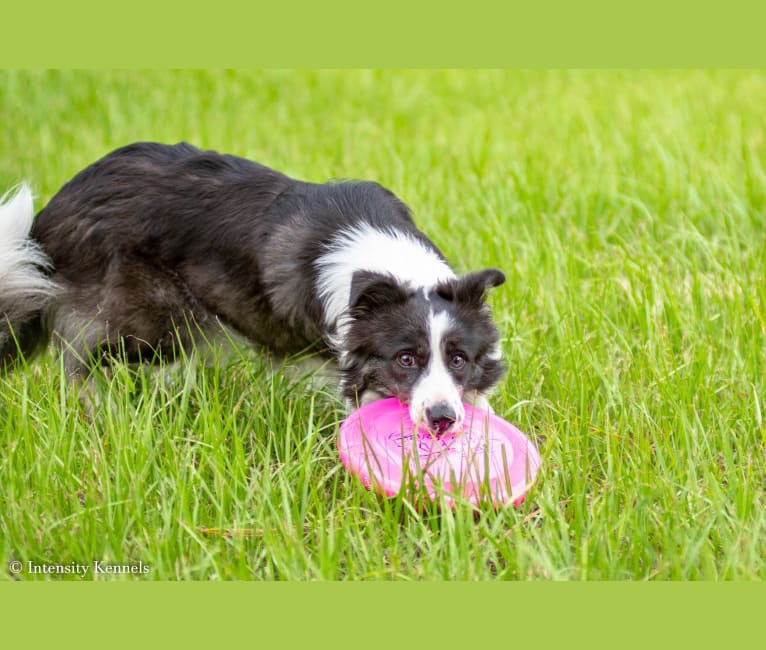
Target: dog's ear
(472,288)
(372,291)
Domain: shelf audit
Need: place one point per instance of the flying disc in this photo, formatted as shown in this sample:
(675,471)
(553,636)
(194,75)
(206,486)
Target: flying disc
(488,459)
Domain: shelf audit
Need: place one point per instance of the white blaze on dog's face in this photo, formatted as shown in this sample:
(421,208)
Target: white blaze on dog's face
(436,400)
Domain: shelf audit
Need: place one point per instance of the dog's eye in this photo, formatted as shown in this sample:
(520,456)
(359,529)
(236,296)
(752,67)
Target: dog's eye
(406,360)
(457,361)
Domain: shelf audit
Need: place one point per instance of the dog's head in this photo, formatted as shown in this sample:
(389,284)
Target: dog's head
(429,347)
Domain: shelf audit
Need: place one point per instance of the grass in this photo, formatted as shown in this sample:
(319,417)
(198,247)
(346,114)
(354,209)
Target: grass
(628,212)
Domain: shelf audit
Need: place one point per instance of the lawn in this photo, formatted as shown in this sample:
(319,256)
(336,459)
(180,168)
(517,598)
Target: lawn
(628,211)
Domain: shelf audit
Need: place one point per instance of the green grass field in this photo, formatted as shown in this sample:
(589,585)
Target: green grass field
(628,211)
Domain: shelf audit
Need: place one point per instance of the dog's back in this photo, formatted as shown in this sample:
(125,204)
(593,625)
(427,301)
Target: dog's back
(167,204)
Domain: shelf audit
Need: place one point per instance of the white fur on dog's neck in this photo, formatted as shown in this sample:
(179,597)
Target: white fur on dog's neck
(366,248)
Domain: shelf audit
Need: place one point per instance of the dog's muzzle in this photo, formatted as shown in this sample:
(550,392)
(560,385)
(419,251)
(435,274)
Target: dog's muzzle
(440,417)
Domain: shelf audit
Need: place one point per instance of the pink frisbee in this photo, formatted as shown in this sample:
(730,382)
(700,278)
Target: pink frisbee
(489,460)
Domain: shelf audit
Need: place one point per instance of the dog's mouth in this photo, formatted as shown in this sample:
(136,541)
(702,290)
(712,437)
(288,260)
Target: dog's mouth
(437,422)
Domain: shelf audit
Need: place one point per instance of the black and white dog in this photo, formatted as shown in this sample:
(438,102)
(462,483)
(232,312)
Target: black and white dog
(154,245)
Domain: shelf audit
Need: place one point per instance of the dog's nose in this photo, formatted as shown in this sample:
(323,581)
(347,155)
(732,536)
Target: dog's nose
(440,417)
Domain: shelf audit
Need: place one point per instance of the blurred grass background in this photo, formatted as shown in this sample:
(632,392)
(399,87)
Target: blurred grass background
(627,210)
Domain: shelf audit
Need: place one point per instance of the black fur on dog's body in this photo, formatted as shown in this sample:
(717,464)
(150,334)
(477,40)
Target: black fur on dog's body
(154,244)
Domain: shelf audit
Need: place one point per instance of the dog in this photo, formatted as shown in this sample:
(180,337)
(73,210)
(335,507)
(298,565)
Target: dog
(155,245)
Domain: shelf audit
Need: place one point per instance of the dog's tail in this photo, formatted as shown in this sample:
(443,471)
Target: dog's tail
(25,285)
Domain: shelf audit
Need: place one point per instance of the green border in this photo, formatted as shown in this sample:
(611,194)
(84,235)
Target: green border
(375,615)
(398,33)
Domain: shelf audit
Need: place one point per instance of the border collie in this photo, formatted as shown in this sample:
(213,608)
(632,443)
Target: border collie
(155,245)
